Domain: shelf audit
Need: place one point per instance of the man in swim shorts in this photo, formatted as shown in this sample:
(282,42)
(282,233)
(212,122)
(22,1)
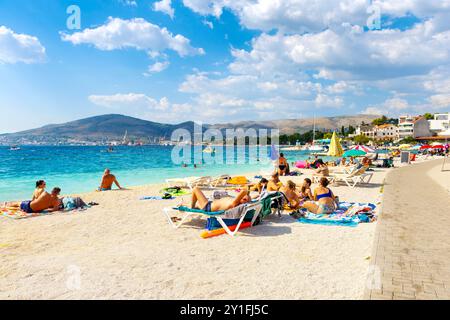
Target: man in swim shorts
(199,201)
(46,201)
(107,181)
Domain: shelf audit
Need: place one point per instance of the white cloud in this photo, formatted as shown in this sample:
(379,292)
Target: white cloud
(323,100)
(136,33)
(373,111)
(347,52)
(135,101)
(440,100)
(129,3)
(158,67)
(15,47)
(209,24)
(164,6)
(298,16)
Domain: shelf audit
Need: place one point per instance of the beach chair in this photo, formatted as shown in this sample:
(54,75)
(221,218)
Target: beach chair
(354,178)
(271,201)
(240,212)
(221,181)
(331,178)
(190,182)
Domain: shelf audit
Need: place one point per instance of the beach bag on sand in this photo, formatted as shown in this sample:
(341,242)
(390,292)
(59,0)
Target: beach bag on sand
(70,203)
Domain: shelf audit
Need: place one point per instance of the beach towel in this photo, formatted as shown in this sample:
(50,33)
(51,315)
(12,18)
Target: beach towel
(175,191)
(348,215)
(156,198)
(16,213)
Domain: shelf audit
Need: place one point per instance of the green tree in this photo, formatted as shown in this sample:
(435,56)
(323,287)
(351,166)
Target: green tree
(351,130)
(428,116)
(408,140)
(380,121)
(327,135)
(361,139)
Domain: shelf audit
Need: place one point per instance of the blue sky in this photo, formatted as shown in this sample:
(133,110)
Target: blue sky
(221,60)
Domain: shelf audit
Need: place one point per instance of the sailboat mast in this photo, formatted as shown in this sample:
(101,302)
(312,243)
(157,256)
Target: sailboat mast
(314,129)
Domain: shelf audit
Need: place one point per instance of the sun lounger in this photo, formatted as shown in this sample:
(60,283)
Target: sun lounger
(239,212)
(190,182)
(354,178)
(269,201)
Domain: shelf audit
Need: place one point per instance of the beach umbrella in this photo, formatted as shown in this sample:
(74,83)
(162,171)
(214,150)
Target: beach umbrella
(354,153)
(425,147)
(335,148)
(366,149)
(438,146)
(416,147)
(404,146)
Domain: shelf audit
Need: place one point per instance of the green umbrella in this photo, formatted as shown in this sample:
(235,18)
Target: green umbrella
(354,153)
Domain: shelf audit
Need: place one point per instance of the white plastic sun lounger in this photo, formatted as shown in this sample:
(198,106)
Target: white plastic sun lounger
(353,179)
(236,213)
(190,182)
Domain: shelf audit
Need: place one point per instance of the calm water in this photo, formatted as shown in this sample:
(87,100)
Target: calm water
(79,169)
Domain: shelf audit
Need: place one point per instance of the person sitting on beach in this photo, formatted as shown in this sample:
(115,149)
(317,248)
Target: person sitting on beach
(324,199)
(343,162)
(40,189)
(305,190)
(294,200)
(199,201)
(366,162)
(274,183)
(46,201)
(322,170)
(282,165)
(260,186)
(107,180)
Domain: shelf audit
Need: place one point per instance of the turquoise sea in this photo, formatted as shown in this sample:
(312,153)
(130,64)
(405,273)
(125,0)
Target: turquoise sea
(79,168)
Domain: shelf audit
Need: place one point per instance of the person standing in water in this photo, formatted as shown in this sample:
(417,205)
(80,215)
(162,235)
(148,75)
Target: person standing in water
(282,165)
(107,181)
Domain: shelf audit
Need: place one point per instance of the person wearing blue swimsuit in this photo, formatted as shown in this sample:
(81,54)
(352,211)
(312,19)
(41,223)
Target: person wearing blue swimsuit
(324,199)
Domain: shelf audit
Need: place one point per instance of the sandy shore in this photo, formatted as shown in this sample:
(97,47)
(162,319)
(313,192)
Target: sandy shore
(124,248)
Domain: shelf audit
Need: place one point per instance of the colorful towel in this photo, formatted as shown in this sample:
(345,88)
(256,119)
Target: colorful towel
(156,198)
(175,191)
(348,214)
(16,213)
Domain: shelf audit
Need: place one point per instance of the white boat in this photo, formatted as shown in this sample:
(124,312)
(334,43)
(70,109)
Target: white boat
(14,148)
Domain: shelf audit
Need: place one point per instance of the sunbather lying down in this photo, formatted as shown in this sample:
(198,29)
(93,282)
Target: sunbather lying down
(199,201)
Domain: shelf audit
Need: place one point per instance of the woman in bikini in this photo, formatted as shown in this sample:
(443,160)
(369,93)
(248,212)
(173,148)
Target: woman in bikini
(324,199)
(40,189)
(305,191)
(282,165)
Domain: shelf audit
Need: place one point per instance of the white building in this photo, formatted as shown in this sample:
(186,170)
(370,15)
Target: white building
(381,132)
(414,127)
(440,125)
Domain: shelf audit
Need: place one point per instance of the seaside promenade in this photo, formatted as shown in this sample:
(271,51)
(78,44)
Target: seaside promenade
(411,248)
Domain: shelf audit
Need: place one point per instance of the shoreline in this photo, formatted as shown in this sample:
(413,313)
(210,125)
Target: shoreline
(125,249)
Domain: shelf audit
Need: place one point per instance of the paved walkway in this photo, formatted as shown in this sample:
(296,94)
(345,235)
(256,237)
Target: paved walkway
(412,242)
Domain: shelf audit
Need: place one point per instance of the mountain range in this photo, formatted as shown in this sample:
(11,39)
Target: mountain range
(113,127)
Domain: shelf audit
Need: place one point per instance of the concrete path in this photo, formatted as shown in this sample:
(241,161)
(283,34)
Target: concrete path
(411,258)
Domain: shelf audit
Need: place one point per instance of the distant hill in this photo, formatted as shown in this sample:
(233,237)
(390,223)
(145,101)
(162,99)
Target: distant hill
(291,126)
(113,127)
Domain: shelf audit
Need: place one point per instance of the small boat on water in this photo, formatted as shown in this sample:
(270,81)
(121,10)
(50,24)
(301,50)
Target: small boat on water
(14,148)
